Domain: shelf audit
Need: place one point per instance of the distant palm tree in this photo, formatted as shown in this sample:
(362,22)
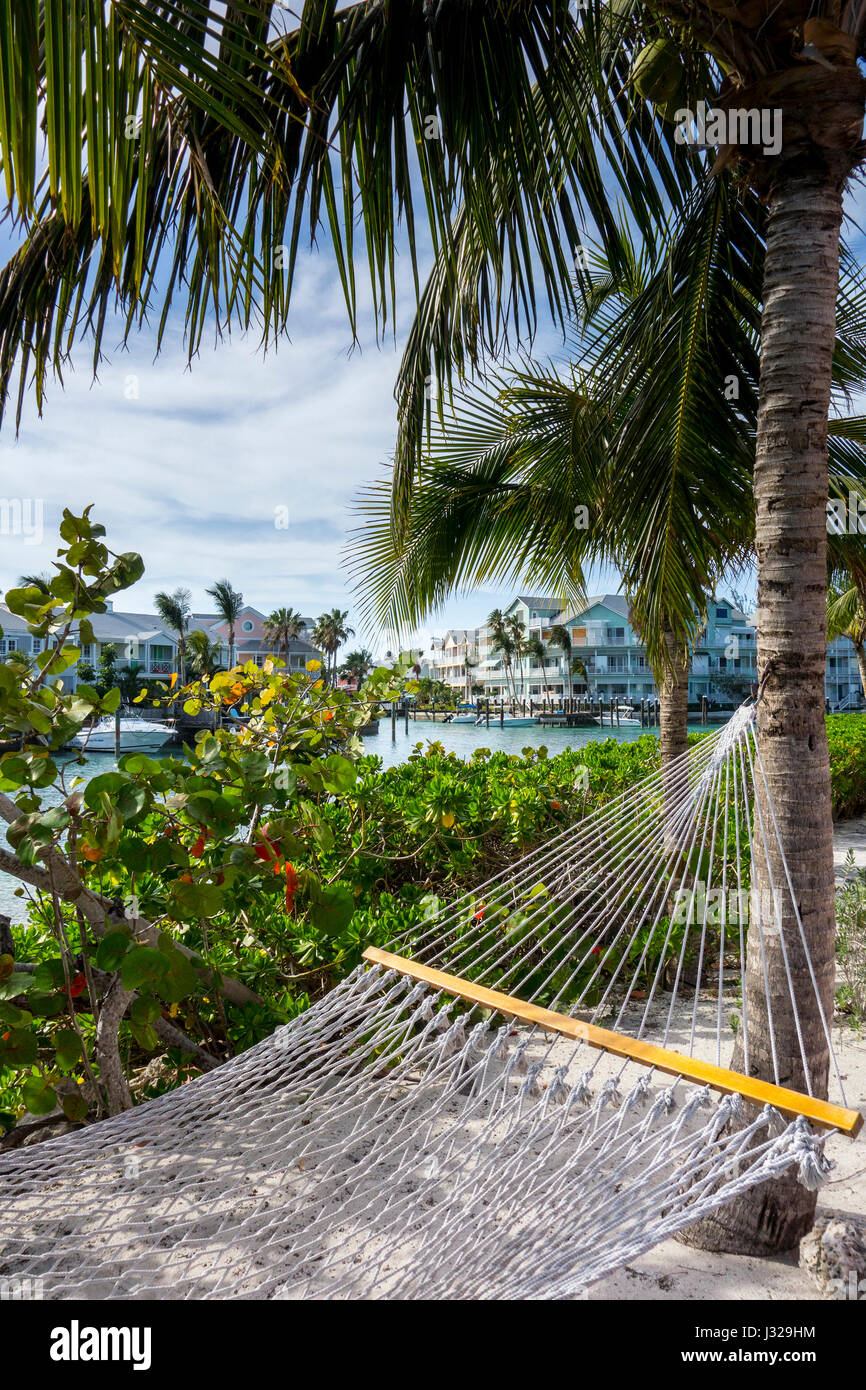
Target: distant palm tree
(502,641)
(356,666)
(229,603)
(329,634)
(517,633)
(579,668)
(281,627)
(204,655)
(561,637)
(173,610)
(35,581)
(846,617)
(470,661)
(536,651)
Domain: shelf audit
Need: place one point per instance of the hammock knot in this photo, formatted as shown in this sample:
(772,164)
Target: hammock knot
(442,1020)
(531,1085)
(517,1062)
(557,1090)
(455,1039)
(581,1092)
(813,1165)
(609,1093)
(427,1008)
(776,1122)
(699,1101)
(477,1038)
(639,1093)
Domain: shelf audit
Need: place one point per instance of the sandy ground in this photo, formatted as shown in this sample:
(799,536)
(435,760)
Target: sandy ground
(673,1271)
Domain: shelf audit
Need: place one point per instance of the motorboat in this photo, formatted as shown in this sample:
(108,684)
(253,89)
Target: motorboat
(134,734)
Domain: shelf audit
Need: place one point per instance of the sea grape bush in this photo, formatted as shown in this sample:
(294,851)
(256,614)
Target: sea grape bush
(846,736)
(136,860)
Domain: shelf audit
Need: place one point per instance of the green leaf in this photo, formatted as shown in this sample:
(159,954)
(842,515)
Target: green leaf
(112,949)
(74,1107)
(143,967)
(144,1010)
(338,774)
(144,1035)
(17,983)
(49,974)
(38,1096)
(67,1046)
(19,1049)
(331,908)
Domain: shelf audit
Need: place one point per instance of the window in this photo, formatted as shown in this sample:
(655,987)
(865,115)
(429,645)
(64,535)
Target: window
(616,636)
(722,613)
(247,625)
(160,653)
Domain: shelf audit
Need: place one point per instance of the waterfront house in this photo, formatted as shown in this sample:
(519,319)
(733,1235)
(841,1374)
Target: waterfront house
(723,665)
(142,644)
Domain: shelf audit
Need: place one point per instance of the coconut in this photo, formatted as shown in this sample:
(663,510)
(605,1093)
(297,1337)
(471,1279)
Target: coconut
(657,71)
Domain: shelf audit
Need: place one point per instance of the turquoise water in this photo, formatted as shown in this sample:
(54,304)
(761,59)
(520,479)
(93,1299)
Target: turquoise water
(461,739)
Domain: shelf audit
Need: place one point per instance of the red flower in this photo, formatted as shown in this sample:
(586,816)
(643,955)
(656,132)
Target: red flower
(77,984)
(596,951)
(267,851)
(480,913)
(291,886)
(198,848)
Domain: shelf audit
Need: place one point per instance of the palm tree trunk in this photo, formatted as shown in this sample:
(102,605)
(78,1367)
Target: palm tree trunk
(798,331)
(673,686)
(861,663)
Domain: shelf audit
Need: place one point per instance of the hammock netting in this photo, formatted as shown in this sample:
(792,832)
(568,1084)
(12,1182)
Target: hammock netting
(398,1141)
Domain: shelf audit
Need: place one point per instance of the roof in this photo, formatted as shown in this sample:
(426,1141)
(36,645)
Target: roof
(536,601)
(615,603)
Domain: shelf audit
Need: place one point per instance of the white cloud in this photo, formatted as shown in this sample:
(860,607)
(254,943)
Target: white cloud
(188,466)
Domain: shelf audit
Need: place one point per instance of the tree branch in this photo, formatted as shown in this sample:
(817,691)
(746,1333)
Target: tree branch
(96,908)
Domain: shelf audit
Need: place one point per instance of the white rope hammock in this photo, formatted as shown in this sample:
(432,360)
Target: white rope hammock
(414,1136)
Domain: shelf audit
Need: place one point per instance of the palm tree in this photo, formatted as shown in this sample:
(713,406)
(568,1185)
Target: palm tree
(502,642)
(173,610)
(579,668)
(536,651)
(669,487)
(561,637)
(356,666)
(35,581)
(282,627)
(241,128)
(846,600)
(329,634)
(470,662)
(229,605)
(517,633)
(204,655)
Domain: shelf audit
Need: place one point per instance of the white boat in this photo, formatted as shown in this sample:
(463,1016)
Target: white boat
(138,734)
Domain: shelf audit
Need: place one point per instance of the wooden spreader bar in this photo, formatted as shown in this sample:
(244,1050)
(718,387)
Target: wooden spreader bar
(792,1103)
